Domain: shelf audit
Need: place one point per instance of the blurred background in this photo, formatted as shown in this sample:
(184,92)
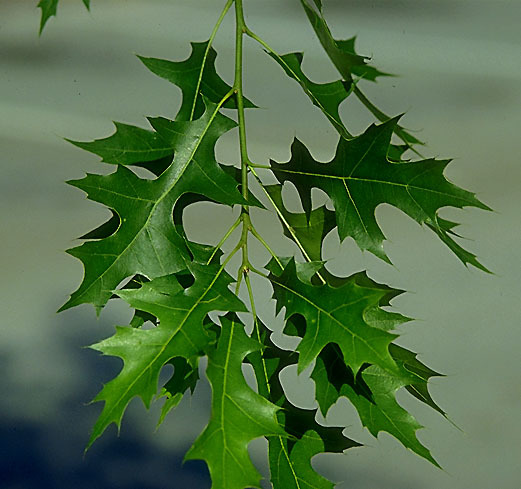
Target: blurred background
(459,63)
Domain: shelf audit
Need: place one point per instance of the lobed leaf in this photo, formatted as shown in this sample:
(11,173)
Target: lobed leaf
(290,457)
(372,391)
(147,241)
(348,63)
(334,314)
(307,233)
(180,333)
(198,71)
(342,53)
(360,177)
(128,145)
(239,414)
(185,377)
(326,96)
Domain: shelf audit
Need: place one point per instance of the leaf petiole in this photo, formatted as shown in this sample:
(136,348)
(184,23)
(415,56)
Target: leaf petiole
(283,219)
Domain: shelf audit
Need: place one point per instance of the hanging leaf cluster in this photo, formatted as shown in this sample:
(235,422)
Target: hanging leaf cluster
(345,325)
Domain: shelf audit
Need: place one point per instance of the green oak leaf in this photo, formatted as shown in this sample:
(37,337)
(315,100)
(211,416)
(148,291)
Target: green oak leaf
(239,415)
(334,314)
(196,71)
(372,391)
(348,63)
(342,53)
(326,96)
(181,332)
(360,177)
(49,8)
(308,234)
(146,241)
(419,387)
(290,457)
(128,145)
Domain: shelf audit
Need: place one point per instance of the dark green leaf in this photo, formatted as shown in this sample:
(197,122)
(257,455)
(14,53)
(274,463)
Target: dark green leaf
(49,8)
(326,96)
(309,234)
(334,314)
(147,241)
(180,333)
(185,377)
(290,458)
(420,373)
(239,414)
(372,392)
(348,63)
(360,177)
(342,53)
(187,76)
(293,470)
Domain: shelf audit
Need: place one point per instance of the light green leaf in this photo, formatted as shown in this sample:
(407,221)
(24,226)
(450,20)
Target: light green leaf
(360,177)
(239,415)
(180,333)
(326,96)
(196,71)
(334,314)
(146,241)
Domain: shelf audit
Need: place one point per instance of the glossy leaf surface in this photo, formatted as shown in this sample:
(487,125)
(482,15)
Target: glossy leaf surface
(180,333)
(239,414)
(146,241)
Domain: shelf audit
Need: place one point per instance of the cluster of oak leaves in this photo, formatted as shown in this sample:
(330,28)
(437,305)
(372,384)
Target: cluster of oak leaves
(176,283)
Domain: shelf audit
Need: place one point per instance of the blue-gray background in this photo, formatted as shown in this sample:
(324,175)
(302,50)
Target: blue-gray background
(460,67)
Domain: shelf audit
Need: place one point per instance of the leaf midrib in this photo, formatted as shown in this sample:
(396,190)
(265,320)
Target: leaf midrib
(353,334)
(371,180)
(159,200)
(170,338)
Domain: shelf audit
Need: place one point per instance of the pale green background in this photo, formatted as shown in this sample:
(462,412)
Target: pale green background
(460,67)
